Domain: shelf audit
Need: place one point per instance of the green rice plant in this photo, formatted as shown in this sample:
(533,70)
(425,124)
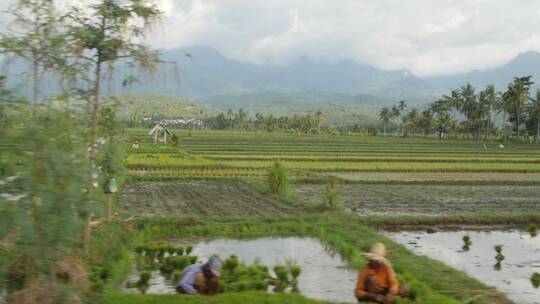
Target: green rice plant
(466,243)
(499,257)
(278,179)
(189,249)
(231,264)
(332,197)
(533,230)
(282,274)
(179,250)
(535,279)
(144,278)
(295,271)
(176,275)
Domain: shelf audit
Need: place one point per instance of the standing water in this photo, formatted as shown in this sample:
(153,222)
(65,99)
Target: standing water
(521,251)
(324,275)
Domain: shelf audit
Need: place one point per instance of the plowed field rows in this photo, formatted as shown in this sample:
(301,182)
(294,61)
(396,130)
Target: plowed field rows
(207,198)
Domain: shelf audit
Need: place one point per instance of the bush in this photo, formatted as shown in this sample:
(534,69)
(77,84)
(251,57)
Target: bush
(278,179)
(144,278)
(332,198)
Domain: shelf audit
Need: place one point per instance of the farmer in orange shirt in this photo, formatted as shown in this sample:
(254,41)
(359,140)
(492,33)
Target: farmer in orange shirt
(377,282)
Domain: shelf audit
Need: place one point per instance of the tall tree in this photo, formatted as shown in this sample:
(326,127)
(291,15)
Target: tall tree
(402,105)
(468,105)
(517,95)
(107,35)
(492,98)
(36,37)
(412,120)
(103,36)
(385,115)
(395,113)
(535,114)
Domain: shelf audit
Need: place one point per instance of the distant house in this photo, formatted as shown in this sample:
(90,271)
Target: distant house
(159,132)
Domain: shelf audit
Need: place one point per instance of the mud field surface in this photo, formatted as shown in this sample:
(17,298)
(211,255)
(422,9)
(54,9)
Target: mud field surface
(206,198)
(429,199)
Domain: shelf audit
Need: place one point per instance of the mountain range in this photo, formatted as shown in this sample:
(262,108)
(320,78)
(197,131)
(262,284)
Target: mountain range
(209,77)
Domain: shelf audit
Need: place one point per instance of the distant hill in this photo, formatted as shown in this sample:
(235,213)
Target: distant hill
(156,105)
(203,73)
(339,109)
(523,65)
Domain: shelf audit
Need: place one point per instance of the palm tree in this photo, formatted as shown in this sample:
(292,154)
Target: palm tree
(319,117)
(517,94)
(412,120)
(426,121)
(492,99)
(395,113)
(401,106)
(453,102)
(535,114)
(385,115)
(468,105)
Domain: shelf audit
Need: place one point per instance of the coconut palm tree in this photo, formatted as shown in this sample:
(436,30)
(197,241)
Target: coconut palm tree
(395,113)
(385,115)
(517,95)
(535,114)
(412,120)
(492,98)
(468,105)
(402,105)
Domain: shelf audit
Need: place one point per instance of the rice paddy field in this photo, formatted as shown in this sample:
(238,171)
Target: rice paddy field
(378,175)
(211,187)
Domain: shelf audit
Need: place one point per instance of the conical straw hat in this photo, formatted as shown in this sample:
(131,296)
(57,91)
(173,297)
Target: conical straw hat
(377,252)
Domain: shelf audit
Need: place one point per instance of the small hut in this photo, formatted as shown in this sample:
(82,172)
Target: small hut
(159,132)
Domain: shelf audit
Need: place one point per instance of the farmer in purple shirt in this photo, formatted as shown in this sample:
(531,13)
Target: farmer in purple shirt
(201,279)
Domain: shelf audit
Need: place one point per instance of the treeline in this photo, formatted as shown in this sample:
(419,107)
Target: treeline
(61,154)
(469,113)
(303,124)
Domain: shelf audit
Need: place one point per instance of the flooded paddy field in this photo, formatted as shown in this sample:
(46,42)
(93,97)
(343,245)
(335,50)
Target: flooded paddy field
(514,274)
(419,199)
(324,275)
(207,198)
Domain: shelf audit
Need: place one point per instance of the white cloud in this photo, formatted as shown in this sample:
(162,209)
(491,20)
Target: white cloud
(424,36)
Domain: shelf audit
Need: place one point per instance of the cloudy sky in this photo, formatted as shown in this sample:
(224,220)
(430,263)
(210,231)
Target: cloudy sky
(424,36)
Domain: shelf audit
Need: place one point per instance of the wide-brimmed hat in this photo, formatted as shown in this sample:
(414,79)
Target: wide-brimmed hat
(214,263)
(377,252)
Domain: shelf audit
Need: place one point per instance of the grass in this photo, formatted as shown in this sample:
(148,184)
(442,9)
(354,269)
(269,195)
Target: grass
(257,151)
(229,298)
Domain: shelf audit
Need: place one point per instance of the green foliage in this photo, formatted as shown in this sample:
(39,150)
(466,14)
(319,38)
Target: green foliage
(175,141)
(533,230)
(144,278)
(332,197)
(278,179)
(260,297)
(535,279)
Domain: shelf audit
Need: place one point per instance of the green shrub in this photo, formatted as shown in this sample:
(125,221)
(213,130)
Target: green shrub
(144,278)
(278,179)
(535,279)
(332,197)
(533,230)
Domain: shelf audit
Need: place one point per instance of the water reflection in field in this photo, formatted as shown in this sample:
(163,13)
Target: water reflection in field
(521,251)
(324,275)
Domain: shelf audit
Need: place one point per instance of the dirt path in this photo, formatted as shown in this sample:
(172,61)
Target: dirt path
(207,198)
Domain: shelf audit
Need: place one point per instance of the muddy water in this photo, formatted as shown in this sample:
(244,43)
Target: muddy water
(324,275)
(522,254)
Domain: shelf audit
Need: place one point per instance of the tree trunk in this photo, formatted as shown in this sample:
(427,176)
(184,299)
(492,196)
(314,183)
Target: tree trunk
(538,131)
(93,148)
(110,202)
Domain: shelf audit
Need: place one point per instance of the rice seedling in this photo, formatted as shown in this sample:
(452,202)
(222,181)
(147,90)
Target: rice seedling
(535,279)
